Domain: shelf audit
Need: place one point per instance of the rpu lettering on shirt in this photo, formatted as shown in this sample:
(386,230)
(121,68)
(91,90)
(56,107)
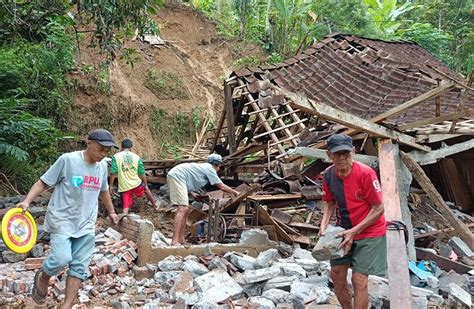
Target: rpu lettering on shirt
(86,182)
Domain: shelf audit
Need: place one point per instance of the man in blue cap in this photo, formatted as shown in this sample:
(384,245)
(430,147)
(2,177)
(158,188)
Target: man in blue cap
(189,178)
(79,179)
(353,190)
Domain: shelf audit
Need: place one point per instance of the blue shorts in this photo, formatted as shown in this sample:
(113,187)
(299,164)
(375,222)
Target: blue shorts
(68,251)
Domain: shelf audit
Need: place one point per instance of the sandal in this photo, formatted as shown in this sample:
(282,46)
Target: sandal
(38,297)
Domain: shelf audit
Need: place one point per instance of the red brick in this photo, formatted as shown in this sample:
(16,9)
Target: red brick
(34,263)
(128,257)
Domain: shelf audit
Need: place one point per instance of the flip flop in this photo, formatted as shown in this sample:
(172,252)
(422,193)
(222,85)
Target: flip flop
(38,297)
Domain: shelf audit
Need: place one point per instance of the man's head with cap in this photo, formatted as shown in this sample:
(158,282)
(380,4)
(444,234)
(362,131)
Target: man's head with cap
(215,159)
(340,150)
(99,143)
(127,143)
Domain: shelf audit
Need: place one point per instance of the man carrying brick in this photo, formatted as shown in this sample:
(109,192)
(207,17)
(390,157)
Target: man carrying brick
(189,178)
(79,179)
(353,190)
(128,168)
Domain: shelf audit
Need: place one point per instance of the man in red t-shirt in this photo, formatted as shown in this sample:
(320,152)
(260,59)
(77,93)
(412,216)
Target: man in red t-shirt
(353,190)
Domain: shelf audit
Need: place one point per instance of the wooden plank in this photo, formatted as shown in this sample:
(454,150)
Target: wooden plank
(301,239)
(434,233)
(425,183)
(434,138)
(265,219)
(304,226)
(268,128)
(460,191)
(398,274)
(295,116)
(285,129)
(456,115)
(271,231)
(276,197)
(467,95)
(235,200)
(322,155)
(230,117)
(330,113)
(281,216)
(239,221)
(435,155)
(444,263)
(280,128)
(286,228)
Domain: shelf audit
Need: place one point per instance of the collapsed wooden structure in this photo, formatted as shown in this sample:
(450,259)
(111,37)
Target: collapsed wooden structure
(391,94)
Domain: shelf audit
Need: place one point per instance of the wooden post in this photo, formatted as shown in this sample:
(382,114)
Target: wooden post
(438,104)
(229,107)
(425,183)
(398,274)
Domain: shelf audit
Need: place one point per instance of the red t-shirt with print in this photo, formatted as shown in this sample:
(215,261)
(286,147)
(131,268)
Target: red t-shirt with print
(354,195)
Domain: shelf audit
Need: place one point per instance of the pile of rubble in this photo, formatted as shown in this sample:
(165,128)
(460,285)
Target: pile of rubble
(283,276)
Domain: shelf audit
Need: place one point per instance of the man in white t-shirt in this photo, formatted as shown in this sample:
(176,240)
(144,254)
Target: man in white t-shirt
(188,178)
(79,179)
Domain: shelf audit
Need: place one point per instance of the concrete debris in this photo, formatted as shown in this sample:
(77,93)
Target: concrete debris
(460,296)
(205,305)
(327,246)
(184,289)
(113,234)
(278,296)
(254,237)
(291,269)
(260,302)
(158,239)
(306,292)
(280,282)
(266,258)
(217,286)
(254,289)
(140,273)
(217,263)
(460,247)
(259,275)
(171,263)
(196,269)
(242,261)
(12,257)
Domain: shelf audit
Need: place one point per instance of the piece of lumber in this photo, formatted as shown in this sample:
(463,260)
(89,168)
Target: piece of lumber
(235,200)
(229,106)
(276,197)
(308,218)
(434,138)
(281,216)
(435,155)
(434,233)
(286,228)
(459,188)
(444,263)
(301,239)
(425,183)
(271,231)
(398,274)
(239,220)
(351,121)
(322,155)
(265,219)
(456,115)
(304,226)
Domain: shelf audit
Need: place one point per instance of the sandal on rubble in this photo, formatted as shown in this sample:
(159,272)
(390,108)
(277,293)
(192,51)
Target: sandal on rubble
(36,294)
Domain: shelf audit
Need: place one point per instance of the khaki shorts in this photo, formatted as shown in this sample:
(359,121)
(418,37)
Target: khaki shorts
(178,192)
(367,256)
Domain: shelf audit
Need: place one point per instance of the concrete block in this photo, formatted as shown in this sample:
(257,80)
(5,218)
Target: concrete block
(183,289)
(460,247)
(266,258)
(196,269)
(162,277)
(291,269)
(217,263)
(278,296)
(327,246)
(280,282)
(259,275)
(306,292)
(310,265)
(205,305)
(462,297)
(216,286)
(140,273)
(260,302)
(241,261)
(171,263)
(285,306)
(303,254)
(254,237)
(254,289)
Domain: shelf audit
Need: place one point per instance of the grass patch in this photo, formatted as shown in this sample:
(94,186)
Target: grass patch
(166,85)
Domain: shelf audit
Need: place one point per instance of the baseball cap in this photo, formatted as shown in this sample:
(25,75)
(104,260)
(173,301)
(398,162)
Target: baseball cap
(102,137)
(127,143)
(215,159)
(339,142)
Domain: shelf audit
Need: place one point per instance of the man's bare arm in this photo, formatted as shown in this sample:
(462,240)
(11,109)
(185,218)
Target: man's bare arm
(327,214)
(104,196)
(227,189)
(35,190)
(112,178)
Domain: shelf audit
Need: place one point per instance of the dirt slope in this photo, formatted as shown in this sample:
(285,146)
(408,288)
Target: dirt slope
(196,53)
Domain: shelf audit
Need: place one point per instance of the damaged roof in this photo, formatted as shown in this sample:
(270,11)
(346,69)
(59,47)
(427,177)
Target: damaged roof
(362,76)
